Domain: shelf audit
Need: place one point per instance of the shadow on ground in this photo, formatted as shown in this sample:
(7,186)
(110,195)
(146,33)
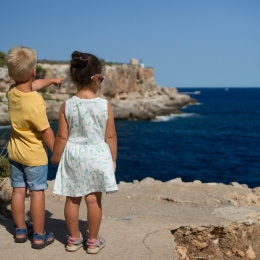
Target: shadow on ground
(56,226)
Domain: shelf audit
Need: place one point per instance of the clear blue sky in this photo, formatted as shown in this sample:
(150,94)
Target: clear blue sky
(189,43)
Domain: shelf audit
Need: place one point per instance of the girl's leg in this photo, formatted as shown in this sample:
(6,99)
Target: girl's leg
(93,201)
(71,213)
(37,208)
(18,208)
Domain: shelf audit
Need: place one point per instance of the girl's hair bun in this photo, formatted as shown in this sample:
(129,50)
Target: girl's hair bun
(79,59)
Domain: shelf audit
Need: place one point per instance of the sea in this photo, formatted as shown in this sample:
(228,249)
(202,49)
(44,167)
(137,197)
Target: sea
(216,140)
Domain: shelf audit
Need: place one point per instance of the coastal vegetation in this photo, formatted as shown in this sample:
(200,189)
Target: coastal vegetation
(2,59)
(52,62)
(4,168)
(4,164)
(110,63)
(4,173)
(40,72)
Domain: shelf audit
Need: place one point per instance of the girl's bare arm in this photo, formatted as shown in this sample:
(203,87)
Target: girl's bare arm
(111,137)
(61,137)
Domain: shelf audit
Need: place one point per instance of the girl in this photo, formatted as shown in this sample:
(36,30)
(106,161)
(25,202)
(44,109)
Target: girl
(85,149)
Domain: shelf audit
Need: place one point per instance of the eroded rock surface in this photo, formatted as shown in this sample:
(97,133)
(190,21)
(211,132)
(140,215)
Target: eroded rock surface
(235,241)
(150,219)
(131,90)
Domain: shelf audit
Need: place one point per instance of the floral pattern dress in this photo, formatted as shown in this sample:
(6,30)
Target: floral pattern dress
(86,164)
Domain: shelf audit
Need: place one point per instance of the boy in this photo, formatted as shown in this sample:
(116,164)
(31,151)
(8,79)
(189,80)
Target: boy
(30,133)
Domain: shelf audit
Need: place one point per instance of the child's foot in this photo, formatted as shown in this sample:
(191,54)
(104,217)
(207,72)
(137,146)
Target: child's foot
(42,240)
(21,234)
(95,245)
(74,243)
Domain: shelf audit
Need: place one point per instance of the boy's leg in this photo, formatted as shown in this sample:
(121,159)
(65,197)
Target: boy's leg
(71,213)
(18,208)
(37,182)
(93,201)
(37,208)
(17,179)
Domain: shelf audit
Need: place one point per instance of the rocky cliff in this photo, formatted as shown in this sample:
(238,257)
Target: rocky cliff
(130,88)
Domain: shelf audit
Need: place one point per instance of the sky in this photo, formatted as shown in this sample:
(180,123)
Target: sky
(189,43)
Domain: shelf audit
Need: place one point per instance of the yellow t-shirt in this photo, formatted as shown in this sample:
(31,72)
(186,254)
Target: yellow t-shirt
(27,112)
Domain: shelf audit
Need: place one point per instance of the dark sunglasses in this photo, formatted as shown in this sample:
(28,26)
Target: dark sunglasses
(100,77)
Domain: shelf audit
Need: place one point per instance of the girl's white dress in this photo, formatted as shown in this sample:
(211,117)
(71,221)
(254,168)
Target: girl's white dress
(86,164)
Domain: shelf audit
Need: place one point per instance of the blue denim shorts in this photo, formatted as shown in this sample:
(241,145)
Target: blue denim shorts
(32,177)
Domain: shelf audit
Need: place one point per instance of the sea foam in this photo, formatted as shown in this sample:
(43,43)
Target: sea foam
(173,117)
(197,92)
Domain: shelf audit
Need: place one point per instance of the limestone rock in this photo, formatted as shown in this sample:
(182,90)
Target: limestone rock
(198,244)
(147,181)
(176,180)
(250,253)
(257,191)
(181,252)
(131,90)
(238,252)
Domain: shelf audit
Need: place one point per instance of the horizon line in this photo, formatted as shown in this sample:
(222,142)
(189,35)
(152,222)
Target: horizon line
(216,86)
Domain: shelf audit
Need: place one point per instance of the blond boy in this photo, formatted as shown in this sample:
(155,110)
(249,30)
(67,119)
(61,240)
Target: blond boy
(27,151)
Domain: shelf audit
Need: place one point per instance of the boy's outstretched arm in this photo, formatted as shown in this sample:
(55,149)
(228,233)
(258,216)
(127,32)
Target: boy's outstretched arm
(61,137)
(43,83)
(111,137)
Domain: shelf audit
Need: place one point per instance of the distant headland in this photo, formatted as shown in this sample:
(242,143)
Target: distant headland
(130,89)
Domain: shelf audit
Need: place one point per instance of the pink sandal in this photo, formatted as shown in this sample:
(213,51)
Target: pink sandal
(99,243)
(76,241)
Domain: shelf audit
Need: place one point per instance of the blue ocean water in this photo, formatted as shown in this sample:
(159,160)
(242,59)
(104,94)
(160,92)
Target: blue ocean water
(214,141)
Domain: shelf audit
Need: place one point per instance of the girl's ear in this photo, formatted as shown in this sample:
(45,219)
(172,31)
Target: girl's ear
(96,80)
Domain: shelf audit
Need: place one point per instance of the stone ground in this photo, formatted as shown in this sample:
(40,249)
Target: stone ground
(155,220)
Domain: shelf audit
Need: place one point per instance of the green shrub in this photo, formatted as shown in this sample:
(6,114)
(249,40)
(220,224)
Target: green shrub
(53,61)
(40,72)
(2,59)
(43,90)
(4,167)
(46,96)
(4,172)
(5,197)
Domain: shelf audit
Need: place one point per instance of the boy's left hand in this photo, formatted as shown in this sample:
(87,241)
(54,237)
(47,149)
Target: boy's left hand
(54,161)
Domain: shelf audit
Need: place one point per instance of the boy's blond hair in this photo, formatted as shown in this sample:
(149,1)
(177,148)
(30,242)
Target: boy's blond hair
(20,62)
